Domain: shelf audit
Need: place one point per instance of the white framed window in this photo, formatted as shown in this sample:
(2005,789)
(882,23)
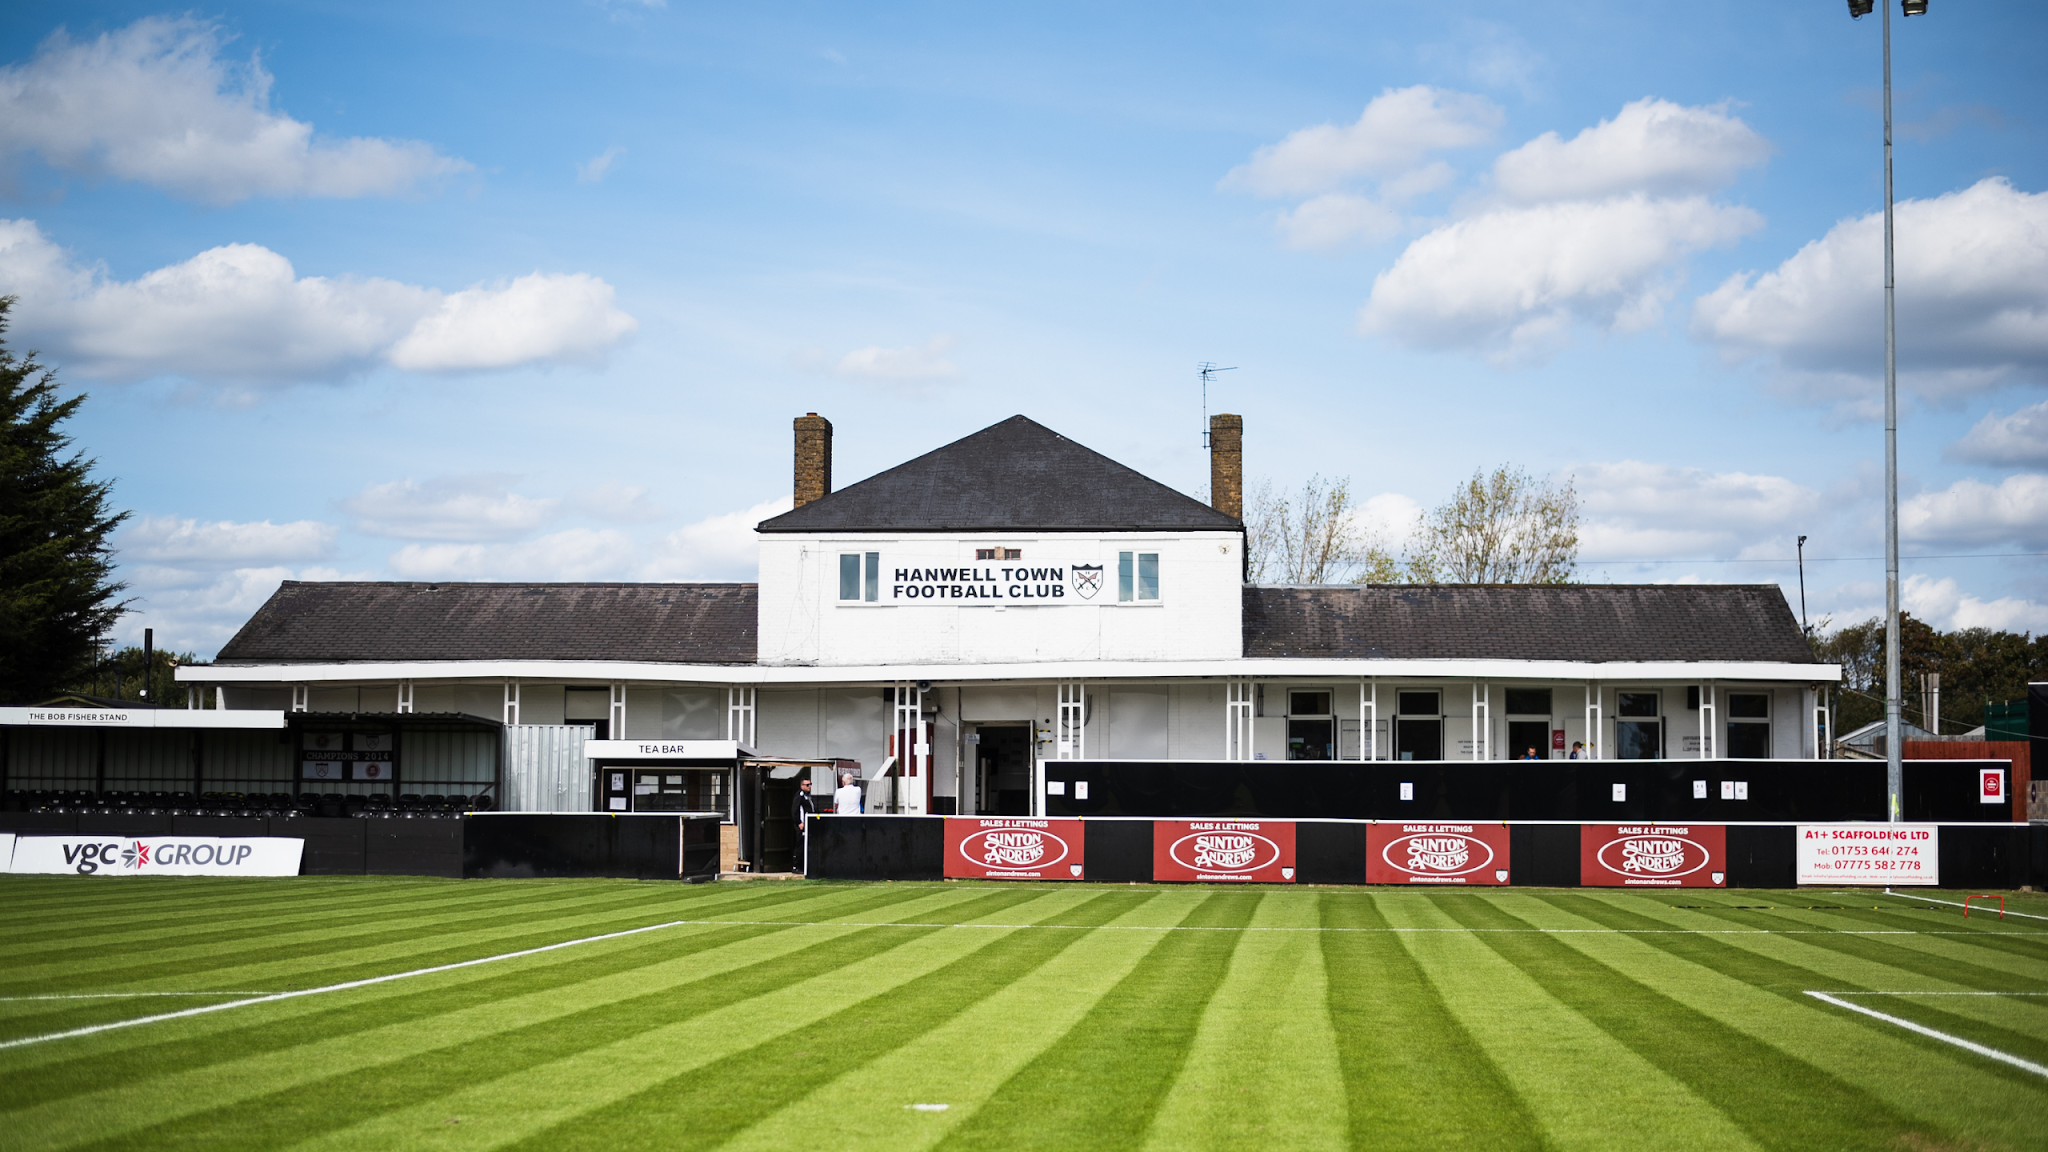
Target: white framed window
(998,553)
(860,577)
(1749,725)
(1137,577)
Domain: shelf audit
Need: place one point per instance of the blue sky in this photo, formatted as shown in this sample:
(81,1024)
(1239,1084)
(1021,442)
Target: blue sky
(533,291)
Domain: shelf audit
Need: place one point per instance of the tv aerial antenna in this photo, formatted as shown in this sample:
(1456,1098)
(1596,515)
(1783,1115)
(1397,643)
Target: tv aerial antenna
(1208,371)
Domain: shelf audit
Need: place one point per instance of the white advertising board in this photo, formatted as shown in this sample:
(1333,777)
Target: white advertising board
(157,855)
(1869,854)
(6,850)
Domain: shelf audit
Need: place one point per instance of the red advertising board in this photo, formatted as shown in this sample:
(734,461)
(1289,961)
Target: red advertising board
(1436,854)
(1258,850)
(1006,848)
(1653,855)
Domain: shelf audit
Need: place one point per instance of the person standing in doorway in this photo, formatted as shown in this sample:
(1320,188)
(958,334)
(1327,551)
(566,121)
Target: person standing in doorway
(846,799)
(801,810)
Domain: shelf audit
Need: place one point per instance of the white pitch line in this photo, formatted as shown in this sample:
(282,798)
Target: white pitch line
(273,997)
(1956,904)
(1922,1029)
(119,995)
(1938,993)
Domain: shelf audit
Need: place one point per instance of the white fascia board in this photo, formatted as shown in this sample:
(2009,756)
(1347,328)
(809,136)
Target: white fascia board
(599,671)
(141,718)
(665,750)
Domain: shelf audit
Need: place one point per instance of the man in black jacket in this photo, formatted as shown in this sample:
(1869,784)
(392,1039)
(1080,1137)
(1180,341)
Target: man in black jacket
(801,810)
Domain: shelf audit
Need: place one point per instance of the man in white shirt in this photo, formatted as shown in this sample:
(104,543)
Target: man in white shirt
(846,799)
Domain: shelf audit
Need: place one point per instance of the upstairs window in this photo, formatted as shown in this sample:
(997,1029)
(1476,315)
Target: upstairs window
(998,553)
(1137,576)
(860,576)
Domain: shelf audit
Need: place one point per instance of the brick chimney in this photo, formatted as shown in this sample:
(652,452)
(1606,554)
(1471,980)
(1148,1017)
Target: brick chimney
(1226,465)
(813,458)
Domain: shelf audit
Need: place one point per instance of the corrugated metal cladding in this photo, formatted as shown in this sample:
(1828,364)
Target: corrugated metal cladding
(544,768)
(429,761)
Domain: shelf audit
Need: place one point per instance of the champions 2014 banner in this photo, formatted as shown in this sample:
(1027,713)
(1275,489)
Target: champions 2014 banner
(1004,848)
(157,855)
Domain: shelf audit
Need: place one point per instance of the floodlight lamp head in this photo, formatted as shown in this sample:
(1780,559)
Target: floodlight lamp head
(1858,9)
(1913,7)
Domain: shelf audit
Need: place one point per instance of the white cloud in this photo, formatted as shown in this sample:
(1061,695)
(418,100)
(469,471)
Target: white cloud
(1398,130)
(173,540)
(196,609)
(1946,606)
(1636,510)
(448,508)
(912,364)
(572,554)
(1512,281)
(1972,272)
(240,314)
(717,548)
(1389,519)
(594,169)
(2021,438)
(616,503)
(155,103)
(1973,513)
(533,318)
(1336,218)
(1651,146)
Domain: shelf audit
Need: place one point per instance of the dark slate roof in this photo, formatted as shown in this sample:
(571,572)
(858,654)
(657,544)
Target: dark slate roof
(1581,622)
(349,621)
(1016,476)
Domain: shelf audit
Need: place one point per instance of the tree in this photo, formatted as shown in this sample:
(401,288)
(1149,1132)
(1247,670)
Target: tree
(57,594)
(1310,538)
(1503,528)
(1977,666)
(120,677)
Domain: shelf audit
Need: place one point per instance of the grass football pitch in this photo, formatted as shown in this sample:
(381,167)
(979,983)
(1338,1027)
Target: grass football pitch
(172,1013)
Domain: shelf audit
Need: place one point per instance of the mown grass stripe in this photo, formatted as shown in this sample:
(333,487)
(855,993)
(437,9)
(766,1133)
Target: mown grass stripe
(50,1071)
(1963,946)
(1263,1066)
(328,1070)
(703,1108)
(1866,971)
(966,1060)
(508,1108)
(1399,1045)
(1099,1085)
(1613,1098)
(1778,1100)
(58,1016)
(1949,1088)
(314,959)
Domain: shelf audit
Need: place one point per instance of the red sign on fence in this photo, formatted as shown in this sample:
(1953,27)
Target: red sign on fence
(1653,855)
(1436,854)
(1260,850)
(1004,848)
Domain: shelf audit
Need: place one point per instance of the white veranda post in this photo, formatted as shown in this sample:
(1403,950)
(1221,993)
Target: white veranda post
(511,702)
(299,695)
(1237,720)
(1482,721)
(1708,713)
(1595,747)
(739,714)
(618,710)
(1368,718)
(1821,718)
(1072,736)
(404,697)
(913,753)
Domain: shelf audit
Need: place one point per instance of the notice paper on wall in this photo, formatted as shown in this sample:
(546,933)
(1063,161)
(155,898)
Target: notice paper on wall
(157,855)
(1868,854)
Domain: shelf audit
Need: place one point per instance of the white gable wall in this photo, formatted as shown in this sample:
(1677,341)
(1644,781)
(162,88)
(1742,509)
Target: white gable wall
(1011,611)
